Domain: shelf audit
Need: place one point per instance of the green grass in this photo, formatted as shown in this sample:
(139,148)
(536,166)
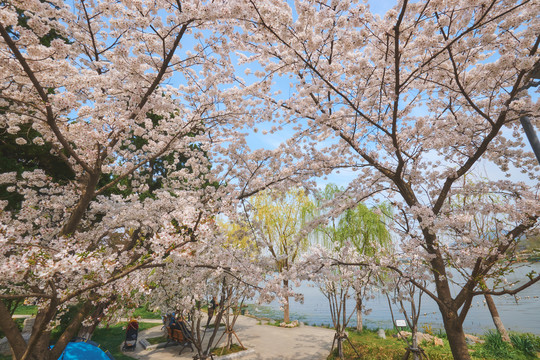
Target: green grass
(528,344)
(112,337)
(144,313)
(157,340)
(523,347)
(371,347)
(222,351)
(26,310)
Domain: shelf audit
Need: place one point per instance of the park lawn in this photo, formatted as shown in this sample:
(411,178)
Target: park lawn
(371,347)
(26,310)
(111,338)
(142,313)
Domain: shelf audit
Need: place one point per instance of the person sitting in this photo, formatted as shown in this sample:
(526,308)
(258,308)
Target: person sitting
(211,309)
(173,323)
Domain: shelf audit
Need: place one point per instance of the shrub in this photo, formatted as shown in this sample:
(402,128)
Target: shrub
(525,343)
(495,346)
(524,346)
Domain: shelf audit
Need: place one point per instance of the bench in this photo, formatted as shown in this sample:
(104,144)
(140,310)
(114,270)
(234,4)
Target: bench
(177,337)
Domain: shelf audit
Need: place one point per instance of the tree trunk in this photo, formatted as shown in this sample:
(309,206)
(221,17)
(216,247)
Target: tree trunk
(452,324)
(10,329)
(455,334)
(86,331)
(340,346)
(286,305)
(78,213)
(37,348)
(496,318)
(359,325)
(414,332)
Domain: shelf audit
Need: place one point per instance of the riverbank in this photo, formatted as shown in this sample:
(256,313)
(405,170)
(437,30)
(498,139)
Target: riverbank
(519,313)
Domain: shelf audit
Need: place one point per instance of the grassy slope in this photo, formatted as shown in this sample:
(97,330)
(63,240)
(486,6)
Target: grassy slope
(371,347)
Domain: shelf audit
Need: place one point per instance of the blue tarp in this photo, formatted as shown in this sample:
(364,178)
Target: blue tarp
(84,351)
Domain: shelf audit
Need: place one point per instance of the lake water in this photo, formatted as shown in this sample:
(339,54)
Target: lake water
(521,313)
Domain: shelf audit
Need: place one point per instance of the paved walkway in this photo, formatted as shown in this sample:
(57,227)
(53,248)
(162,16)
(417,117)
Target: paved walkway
(268,342)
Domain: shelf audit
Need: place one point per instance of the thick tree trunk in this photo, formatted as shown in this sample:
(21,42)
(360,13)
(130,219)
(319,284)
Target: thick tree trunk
(456,335)
(286,305)
(10,329)
(87,331)
(359,325)
(496,318)
(37,348)
(452,324)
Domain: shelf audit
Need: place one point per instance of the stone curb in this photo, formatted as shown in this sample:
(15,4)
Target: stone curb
(147,346)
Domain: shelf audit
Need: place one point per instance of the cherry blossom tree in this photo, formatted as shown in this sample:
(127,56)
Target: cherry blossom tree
(404,293)
(484,225)
(215,266)
(339,283)
(411,102)
(133,99)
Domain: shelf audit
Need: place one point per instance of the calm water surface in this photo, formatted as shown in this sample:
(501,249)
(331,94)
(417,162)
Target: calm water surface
(518,314)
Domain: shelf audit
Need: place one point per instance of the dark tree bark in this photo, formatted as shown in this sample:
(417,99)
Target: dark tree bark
(455,334)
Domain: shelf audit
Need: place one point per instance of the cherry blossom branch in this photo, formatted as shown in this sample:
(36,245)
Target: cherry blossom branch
(44,97)
(482,266)
(145,161)
(476,25)
(400,273)
(112,279)
(25,296)
(397,91)
(509,291)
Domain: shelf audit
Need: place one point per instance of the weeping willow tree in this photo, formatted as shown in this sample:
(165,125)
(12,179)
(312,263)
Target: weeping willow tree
(279,218)
(365,228)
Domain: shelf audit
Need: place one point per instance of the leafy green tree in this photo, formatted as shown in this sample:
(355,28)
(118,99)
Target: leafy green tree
(363,227)
(279,219)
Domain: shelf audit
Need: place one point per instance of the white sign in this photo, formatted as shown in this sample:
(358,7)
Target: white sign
(401,323)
